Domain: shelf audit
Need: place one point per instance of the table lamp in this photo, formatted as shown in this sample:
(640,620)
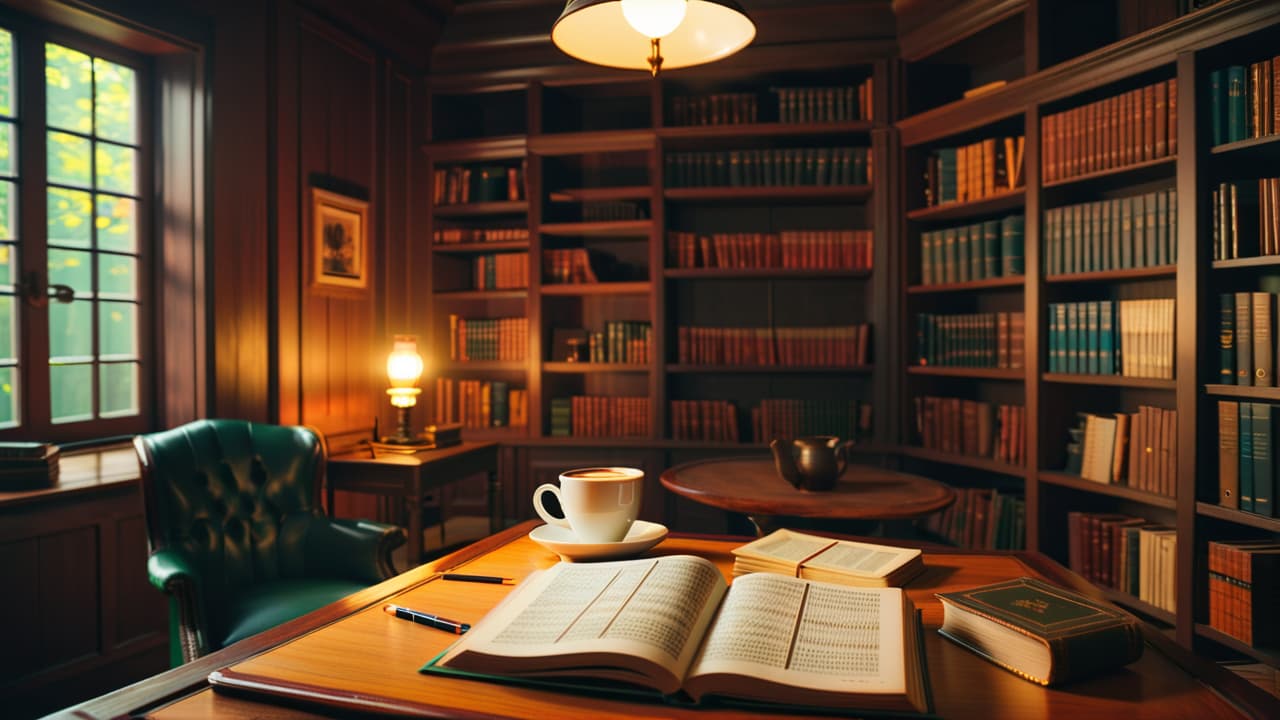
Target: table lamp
(404,368)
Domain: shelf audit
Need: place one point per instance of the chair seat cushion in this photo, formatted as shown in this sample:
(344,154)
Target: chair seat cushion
(262,607)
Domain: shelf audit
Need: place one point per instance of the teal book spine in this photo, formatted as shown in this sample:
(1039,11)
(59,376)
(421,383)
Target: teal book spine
(947,175)
(1263,467)
(1140,249)
(1095,237)
(1246,456)
(1109,244)
(949,271)
(1073,347)
(1126,232)
(1077,240)
(1106,338)
(1237,104)
(962,254)
(992,250)
(1051,243)
(1057,351)
(1088,261)
(1227,339)
(1012,245)
(1218,106)
(500,408)
(1149,215)
(1091,337)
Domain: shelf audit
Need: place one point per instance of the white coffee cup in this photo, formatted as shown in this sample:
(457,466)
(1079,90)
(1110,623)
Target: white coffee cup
(599,503)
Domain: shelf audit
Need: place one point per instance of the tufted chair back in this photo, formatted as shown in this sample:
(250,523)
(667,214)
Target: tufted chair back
(237,535)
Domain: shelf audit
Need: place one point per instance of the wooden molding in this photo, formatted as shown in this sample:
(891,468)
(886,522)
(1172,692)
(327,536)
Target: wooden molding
(935,31)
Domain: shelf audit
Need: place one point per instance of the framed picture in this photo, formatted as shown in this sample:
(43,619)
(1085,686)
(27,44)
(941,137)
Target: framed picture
(339,243)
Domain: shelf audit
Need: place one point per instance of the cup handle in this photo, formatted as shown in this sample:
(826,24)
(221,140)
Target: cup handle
(547,517)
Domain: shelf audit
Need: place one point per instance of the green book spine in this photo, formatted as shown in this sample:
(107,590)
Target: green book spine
(1057,314)
(1244,338)
(1263,466)
(1246,456)
(1237,104)
(1101,258)
(963,241)
(1012,253)
(1134,560)
(949,272)
(992,250)
(1126,232)
(1091,336)
(1218,105)
(947,175)
(1076,240)
(1110,248)
(1171,201)
(499,407)
(1089,248)
(1073,346)
(1106,338)
(1143,255)
(1149,216)
(1162,228)
(1052,253)
(1227,339)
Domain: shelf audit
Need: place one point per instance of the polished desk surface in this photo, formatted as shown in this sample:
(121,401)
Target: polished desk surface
(354,647)
(752,485)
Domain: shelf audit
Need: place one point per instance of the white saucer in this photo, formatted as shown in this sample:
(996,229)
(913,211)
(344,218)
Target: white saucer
(642,536)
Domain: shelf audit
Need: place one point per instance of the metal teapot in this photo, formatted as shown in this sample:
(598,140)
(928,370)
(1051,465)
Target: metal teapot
(811,463)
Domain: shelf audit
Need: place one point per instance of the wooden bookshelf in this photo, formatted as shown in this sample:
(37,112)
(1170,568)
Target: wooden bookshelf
(1010,374)
(480,248)
(775,194)
(1131,174)
(998,202)
(770,369)
(582,368)
(1015,282)
(600,288)
(638,229)
(1146,273)
(482,295)
(762,274)
(482,209)
(1120,381)
(978,463)
(1076,482)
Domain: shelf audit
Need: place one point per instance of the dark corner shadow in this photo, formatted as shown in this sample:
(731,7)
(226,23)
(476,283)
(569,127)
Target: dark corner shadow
(933,576)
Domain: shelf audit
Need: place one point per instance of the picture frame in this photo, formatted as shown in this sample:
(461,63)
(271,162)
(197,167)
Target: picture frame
(340,255)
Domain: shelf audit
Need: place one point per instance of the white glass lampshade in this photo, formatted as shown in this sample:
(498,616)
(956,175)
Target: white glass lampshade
(404,364)
(654,18)
(598,32)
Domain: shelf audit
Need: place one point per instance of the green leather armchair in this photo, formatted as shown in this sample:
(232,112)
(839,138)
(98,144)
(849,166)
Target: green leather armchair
(237,536)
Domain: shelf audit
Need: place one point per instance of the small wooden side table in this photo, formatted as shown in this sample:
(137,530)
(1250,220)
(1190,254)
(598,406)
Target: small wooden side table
(411,475)
(751,485)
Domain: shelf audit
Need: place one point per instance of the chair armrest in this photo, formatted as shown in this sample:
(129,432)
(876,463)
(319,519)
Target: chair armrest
(355,549)
(169,568)
(173,572)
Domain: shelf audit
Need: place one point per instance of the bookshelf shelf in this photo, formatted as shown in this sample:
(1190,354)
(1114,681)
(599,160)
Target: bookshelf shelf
(638,229)
(1009,374)
(482,295)
(601,194)
(602,288)
(1270,656)
(1146,273)
(1133,603)
(978,463)
(504,147)
(484,366)
(578,368)
(1261,261)
(774,194)
(761,273)
(1110,380)
(1008,200)
(755,130)
(1128,175)
(677,368)
(1238,516)
(1014,282)
(1243,391)
(1268,142)
(592,141)
(480,248)
(1076,482)
(482,209)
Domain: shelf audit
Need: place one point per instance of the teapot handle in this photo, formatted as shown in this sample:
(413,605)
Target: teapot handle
(842,456)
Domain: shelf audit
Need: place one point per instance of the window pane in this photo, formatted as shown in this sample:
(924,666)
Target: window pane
(8,150)
(70,330)
(115,103)
(115,168)
(8,210)
(68,213)
(74,268)
(8,323)
(118,389)
(8,99)
(117,276)
(68,79)
(68,159)
(118,330)
(117,229)
(8,397)
(8,265)
(71,392)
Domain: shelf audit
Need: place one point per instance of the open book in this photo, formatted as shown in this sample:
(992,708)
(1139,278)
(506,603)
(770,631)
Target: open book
(787,552)
(672,624)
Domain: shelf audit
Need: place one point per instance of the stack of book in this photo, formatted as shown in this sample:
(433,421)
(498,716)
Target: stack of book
(1246,219)
(28,465)
(1134,449)
(844,346)
(1126,553)
(704,420)
(488,339)
(1133,338)
(506,271)
(989,249)
(1243,577)
(1133,127)
(979,340)
(1116,234)
(791,167)
(714,109)
(481,403)
(599,416)
(1242,101)
(975,171)
(1246,332)
(971,427)
(454,235)
(1246,456)
(611,210)
(825,104)
(786,418)
(800,249)
(462,184)
(812,557)
(623,341)
(981,519)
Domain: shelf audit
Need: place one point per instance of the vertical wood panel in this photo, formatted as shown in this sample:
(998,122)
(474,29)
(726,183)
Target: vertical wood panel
(140,608)
(19,605)
(69,601)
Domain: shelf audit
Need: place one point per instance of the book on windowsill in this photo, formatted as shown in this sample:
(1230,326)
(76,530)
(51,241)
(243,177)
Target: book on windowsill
(844,562)
(1040,632)
(671,627)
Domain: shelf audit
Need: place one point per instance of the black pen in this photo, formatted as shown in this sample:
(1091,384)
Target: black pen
(435,621)
(490,579)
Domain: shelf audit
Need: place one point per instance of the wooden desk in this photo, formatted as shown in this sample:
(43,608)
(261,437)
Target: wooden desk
(751,485)
(411,476)
(354,646)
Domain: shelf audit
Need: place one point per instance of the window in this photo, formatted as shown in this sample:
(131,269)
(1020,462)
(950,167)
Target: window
(74,248)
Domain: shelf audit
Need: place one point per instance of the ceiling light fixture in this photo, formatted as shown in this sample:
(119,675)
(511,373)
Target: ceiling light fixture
(678,33)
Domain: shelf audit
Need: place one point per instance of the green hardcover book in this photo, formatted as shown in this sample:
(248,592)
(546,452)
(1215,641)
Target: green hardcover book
(859,166)
(1264,417)
(1091,338)
(1040,632)
(1106,338)
(1246,456)
(1237,104)
(1053,242)
(1244,338)
(1152,240)
(1078,263)
(1171,202)
(1218,105)
(1058,338)
(500,407)
(946,175)
(1111,231)
(1073,338)
(992,249)
(1162,227)
(1227,339)
(950,273)
(1012,245)
(963,243)
(1126,232)
(1141,252)
(1090,248)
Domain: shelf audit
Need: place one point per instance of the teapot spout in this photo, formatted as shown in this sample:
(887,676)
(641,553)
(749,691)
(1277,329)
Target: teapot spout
(784,462)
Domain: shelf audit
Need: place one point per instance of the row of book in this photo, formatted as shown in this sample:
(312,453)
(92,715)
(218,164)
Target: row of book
(704,421)
(610,210)
(622,341)
(1138,450)
(1246,339)
(974,171)
(1126,553)
(977,340)
(455,235)
(1116,234)
(989,249)
(1247,456)
(981,519)
(599,416)
(1242,101)
(1135,126)
(503,271)
(488,339)
(1244,586)
(972,427)
(567,266)
(1246,219)
(826,104)
(839,346)
(800,249)
(28,465)
(1133,338)
(480,403)
(740,108)
(462,184)
(777,167)
(791,418)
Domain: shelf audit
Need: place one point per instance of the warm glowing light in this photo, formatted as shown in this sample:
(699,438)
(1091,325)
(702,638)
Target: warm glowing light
(654,18)
(404,364)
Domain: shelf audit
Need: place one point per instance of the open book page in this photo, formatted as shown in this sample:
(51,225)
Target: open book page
(862,558)
(576,618)
(784,547)
(773,633)
(788,550)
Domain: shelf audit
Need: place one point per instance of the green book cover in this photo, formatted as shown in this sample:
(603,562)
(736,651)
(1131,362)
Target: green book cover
(500,409)
(1052,252)
(1143,256)
(1171,201)
(1101,258)
(1264,417)
(1244,338)
(949,272)
(1162,227)
(963,240)
(1110,248)
(1087,239)
(1106,338)
(1237,104)
(1091,337)
(1154,255)
(1218,106)
(1246,456)
(1073,346)
(1075,240)
(1079,636)
(1227,338)
(926,257)
(1126,232)
(1012,245)
(992,250)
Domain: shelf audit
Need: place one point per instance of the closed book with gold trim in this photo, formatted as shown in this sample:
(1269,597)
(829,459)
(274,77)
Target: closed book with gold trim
(1040,632)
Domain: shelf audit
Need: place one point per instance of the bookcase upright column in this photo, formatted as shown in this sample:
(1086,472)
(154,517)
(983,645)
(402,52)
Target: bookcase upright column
(1035,344)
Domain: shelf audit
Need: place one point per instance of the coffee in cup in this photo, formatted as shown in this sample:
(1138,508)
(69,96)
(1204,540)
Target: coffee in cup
(599,503)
